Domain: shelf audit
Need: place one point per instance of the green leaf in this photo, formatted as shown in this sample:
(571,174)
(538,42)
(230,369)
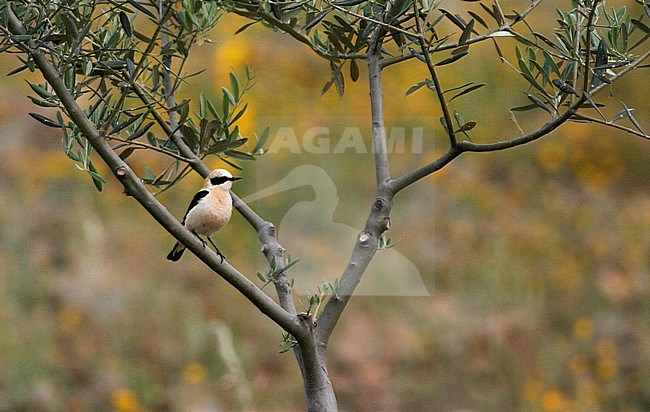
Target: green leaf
(478,18)
(42,103)
(223,145)
(537,102)
(127,123)
(451,59)
(261,141)
(44,120)
(141,131)
(127,152)
(524,108)
(468,90)
(316,20)
(236,154)
(466,32)
(418,86)
(348,3)
(229,96)
(125,23)
(41,91)
(641,26)
(245,26)
(354,70)
(453,18)
(632,119)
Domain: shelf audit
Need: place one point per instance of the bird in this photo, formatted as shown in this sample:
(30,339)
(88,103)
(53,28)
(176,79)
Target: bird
(209,210)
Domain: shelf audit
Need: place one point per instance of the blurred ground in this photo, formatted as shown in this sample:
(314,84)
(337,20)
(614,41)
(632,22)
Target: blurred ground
(537,261)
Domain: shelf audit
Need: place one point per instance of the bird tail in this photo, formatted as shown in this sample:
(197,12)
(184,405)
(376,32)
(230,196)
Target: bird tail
(176,252)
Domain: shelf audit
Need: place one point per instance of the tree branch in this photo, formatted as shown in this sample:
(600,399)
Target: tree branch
(547,128)
(434,76)
(506,27)
(622,73)
(424,171)
(135,188)
(382,167)
(611,124)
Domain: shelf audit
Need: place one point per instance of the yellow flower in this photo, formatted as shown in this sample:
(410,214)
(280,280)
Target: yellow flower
(553,401)
(583,328)
(194,373)
(606,368)
(68,317)
(125,400)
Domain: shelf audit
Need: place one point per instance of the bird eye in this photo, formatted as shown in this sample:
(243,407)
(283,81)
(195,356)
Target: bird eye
(217,180)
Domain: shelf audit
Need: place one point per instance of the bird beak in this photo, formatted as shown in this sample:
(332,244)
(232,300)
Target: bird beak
(235,178)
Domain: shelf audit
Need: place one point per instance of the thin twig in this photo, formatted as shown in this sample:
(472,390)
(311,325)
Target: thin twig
(472,40)
(370,20)
(434,76)
(148,146)
(611,124)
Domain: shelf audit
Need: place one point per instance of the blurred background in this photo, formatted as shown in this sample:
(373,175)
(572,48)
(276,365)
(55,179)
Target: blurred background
(531,286)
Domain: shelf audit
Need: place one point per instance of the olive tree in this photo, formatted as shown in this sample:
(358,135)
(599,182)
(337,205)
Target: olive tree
(113,70)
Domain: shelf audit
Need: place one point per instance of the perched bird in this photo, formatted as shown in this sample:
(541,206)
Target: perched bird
(209,211)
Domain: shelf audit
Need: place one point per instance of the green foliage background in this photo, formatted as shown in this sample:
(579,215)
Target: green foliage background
(538,261)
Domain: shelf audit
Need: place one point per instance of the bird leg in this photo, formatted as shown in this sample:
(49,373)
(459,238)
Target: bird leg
(217,249)
(200,238)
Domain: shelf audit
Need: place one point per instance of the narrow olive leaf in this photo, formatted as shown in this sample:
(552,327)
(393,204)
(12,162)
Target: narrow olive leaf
(141,8)
(127,152)
(236,154)
(245,26)
(44,120)
(641,26)
(538,102)
(452,59)
(453,18)
(41,91)
(261,141)
(564,87)
(524,108)
(544,70)
(125,23)
(223,145)
(601,60)
(621,115)
(316,20)
(347,3)
(466,32)
(443,122)
(127,123)
(354,70)
(17,70)
(514,120)
(489,11)
(612,65)
(42,103)
(602,78)
(478,19)
(461,122)
(466,127)
(417,86)
(141,131)
(632,119)
(295,5)
(229,96)
(468,90)
(462,86)
(595,105)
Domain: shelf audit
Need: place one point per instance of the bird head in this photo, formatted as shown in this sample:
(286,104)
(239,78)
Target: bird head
(220,178)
